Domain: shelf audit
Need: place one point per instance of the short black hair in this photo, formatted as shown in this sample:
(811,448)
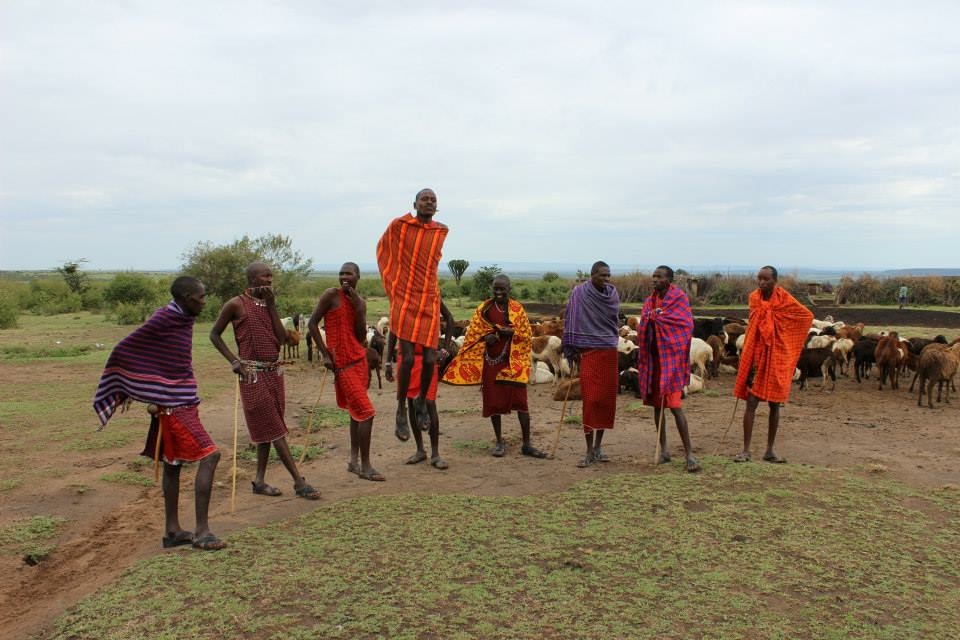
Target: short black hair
(417,197)
(184,286)
(668,270)
(253,268)
(355,266)
(502,276)
(772,270)
(599,264)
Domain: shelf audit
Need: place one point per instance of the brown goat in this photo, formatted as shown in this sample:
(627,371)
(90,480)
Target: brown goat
(937,366)
(888,355)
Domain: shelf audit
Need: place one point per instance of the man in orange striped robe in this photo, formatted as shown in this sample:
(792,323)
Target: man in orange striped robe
(776,333)
(408,255)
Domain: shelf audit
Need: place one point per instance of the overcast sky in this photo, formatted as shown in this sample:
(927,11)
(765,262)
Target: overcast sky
(800,134)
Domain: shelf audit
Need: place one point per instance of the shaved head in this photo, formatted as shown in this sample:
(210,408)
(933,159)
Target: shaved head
(254,269)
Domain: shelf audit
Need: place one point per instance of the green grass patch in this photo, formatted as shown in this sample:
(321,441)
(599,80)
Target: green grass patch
(740,551)
(574,419)
(313,451)
(472,446)
(460,412)
(324,418)
(19,352)
(30,538)
(10,483)
(128,477)
(109,438)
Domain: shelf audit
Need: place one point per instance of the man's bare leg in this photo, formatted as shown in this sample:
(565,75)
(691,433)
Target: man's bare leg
(174,534)
(402,428)
(681,419)
(203,538)
(364,431)
(300,486)
(428,364)
(500,447)
(773,425)
(662,434)
(420,454)
(526,448)
(259,484)
(749,414)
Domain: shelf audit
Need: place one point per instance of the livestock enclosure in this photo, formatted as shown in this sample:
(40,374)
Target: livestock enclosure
(855,538)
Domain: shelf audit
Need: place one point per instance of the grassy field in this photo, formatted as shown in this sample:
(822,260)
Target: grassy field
(747,551)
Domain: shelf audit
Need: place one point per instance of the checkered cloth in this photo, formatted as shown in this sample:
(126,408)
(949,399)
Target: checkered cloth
(666,327)
(263,398)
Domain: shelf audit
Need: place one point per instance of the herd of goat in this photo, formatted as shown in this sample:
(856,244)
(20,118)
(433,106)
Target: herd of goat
(832,349)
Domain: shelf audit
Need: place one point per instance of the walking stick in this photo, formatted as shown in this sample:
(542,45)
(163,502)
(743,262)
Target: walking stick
(313,412)
(563,413)
(156,450)
(236,425)
(656,455)
(723,439)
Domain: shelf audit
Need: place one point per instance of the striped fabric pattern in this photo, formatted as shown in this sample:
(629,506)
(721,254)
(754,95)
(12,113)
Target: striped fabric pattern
(666,327)
(408,255)
(154,364)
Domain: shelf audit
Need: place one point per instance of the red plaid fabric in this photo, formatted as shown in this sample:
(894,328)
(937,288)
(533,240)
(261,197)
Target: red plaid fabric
(263,400)
(598,386)
(350,360)
(183,438)
(351,386)
(666,327)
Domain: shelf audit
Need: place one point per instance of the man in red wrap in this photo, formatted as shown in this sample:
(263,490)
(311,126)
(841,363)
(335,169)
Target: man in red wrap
(663,359)
(154,365)
(408,255)
(259,333)
(776,333)
(590,333)
(344,315)
(496,355)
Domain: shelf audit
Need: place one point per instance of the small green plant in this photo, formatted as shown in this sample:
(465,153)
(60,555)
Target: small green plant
(28,538)
(128,477)
(472,446)
(325,418)
(10,483)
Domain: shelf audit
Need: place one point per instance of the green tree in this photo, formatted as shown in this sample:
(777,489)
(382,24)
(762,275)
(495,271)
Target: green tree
(550,276)
(221,268)
(458,268)
(78,281)
(130,289)
(483,280)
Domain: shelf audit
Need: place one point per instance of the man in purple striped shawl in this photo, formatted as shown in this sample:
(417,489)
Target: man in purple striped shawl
(590,332)
(663,359)
(154,364)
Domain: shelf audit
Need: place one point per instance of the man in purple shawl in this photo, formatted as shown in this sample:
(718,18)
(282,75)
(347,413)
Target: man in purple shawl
(663,359)
(590,332)
(154,364)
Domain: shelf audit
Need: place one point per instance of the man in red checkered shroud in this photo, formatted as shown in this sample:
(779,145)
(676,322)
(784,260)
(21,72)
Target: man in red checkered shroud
(259,334)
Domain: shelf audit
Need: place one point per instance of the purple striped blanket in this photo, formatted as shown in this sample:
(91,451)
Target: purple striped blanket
(152,364)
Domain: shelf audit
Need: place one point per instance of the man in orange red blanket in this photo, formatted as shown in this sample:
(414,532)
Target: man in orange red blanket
(344,314)
(591,331)
(775,337)
(663,361)
(496,355)
(408,255)
(259,333)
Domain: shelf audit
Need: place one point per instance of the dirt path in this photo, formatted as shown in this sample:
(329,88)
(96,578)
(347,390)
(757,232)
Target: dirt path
(108,528)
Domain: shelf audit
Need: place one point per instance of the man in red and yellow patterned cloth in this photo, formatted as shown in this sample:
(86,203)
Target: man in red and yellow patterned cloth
(496,355)
(776,333)
(408,255)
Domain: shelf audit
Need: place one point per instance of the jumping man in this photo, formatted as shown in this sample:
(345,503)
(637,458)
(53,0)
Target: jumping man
(408,255)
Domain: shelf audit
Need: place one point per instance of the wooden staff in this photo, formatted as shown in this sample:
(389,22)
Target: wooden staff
(723,438)
(313,412)
(156,448)
(236,426)
(563,413)
(656,455)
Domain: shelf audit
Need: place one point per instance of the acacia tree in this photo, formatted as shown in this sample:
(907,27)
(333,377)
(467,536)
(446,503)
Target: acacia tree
(221,268)
(78,281)
(483,280)
(458,268)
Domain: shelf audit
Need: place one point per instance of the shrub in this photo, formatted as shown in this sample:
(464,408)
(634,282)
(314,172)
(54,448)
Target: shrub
(550,276)
(127,313)
(9,310)
(131,289)
(483,280)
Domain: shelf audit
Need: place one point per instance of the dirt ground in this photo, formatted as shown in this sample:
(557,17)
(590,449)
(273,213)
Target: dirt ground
(110,527)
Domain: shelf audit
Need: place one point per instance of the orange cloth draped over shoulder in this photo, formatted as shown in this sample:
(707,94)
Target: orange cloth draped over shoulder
(467,365)
(776,333)
(408,255)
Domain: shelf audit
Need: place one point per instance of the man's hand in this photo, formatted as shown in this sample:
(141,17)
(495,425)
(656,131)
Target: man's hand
(246,374)
(388,371)
(505,332)
(328,361)
(355,300)
(490,339)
